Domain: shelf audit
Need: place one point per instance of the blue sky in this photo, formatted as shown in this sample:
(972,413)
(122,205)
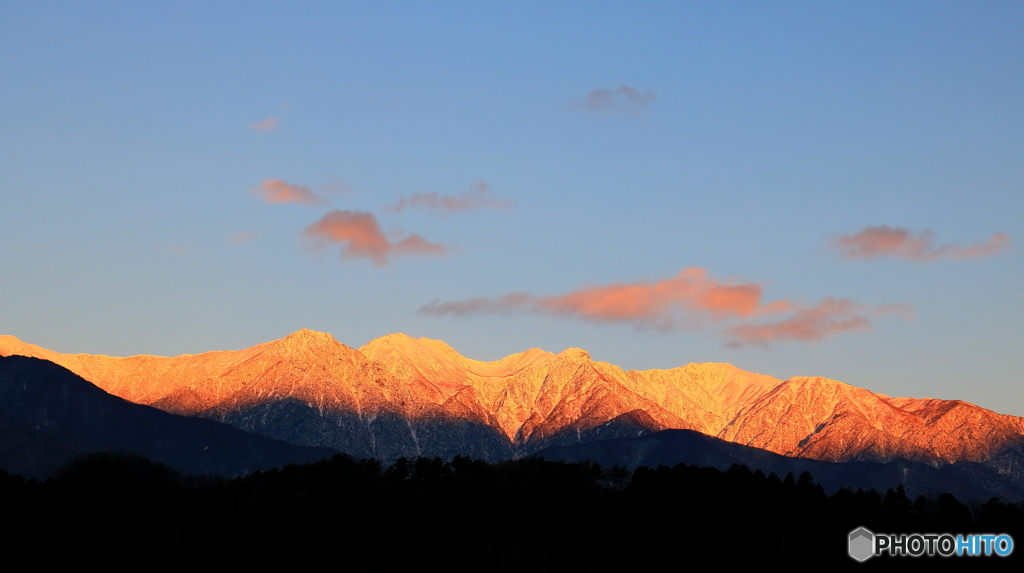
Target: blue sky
(587,154)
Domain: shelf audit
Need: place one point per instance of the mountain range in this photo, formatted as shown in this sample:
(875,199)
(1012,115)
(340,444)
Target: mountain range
(402,396)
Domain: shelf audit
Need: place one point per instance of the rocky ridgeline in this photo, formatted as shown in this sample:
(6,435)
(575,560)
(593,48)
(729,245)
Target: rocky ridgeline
(400,396)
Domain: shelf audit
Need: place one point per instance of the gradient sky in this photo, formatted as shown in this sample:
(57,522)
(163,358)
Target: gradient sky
(830,189)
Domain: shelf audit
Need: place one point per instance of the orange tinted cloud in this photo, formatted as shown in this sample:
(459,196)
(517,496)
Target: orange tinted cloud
(692,299)
(885,241)
(361,236)
(621,99)
(689,297)
(478,197)
(830,316)
(691,292)
(268,124)
(277,191)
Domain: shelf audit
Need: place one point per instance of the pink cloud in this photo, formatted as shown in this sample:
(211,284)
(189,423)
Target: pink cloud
(885,241)
(478,197)
(269,124)
(277,191)
(830,316)
(361,236)
(622,99)
(691,297)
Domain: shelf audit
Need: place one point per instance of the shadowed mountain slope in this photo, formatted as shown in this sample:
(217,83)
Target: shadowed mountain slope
(48,415)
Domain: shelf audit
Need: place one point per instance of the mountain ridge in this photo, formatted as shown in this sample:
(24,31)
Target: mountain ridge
(399,395)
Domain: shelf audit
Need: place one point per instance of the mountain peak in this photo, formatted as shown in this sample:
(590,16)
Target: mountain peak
(408,345)
(10,345)
(307,334)
(306,338)
(576,354)
(396,337)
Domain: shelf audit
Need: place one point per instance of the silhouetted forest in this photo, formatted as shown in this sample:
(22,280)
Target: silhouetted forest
(121,512)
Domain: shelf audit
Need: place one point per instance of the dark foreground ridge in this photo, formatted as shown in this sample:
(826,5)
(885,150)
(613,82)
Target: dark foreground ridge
(49,414)
(966,480)
(125,513)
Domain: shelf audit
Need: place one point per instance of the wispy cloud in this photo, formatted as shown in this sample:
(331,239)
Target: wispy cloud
(623,99)
(277,191)
(690,300)
(269,124)
(478,197)
(884,241)
(243,237)
(360,235)
(812,324)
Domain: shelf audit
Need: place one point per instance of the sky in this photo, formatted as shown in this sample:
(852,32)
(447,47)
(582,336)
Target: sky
(796,188)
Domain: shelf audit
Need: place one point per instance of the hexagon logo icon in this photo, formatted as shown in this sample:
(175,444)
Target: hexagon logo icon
(861,544)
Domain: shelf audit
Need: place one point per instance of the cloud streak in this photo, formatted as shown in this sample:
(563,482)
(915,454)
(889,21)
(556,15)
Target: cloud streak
(884,241)
(691,300)
(269,124)
(691,293)
(623,99)
(478,197)
(277,191)
(360,235)
(830,316)
(691,297)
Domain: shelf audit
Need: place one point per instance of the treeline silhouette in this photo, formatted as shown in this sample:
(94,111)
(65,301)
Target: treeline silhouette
(123,512)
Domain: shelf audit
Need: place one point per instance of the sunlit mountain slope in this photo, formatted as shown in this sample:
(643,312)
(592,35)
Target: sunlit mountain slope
(399,395)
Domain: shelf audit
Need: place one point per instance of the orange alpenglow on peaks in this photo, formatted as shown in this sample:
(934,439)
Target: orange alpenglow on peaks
(530,398)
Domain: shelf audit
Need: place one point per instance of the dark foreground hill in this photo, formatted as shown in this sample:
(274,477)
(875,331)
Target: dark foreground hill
(966,480)
(48,415)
